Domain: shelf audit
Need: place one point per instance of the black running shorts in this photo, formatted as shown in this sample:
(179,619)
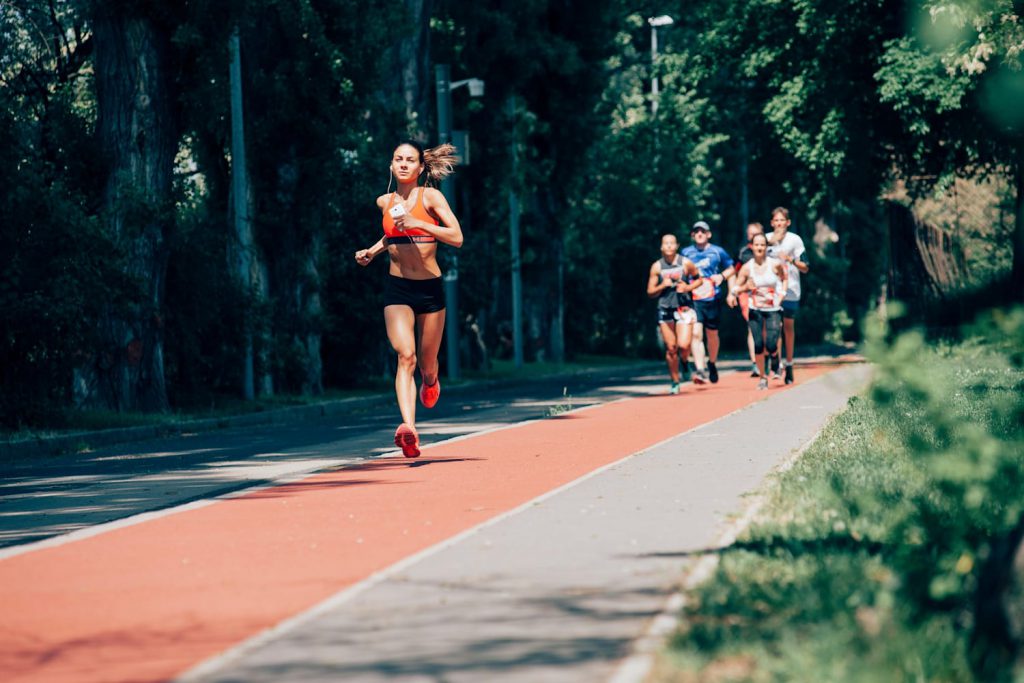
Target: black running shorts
(707,312)
(422,296)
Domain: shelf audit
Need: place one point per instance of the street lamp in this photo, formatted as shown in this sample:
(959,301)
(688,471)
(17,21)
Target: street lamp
(476,86)
(444,87)
(655,22)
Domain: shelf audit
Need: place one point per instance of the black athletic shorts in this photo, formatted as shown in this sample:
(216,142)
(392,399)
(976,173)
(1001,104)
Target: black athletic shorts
(422,296)
(707,312)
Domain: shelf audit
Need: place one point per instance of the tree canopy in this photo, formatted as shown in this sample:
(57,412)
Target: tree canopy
(116,240)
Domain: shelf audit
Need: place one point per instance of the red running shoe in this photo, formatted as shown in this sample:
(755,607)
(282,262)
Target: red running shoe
(408,440)
(429,393)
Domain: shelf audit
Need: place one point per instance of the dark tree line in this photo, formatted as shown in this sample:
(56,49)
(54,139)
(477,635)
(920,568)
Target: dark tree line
(126,286)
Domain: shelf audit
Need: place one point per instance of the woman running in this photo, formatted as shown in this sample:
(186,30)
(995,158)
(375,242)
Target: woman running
(765,279)
(416,218)
(744,296)
(668,282)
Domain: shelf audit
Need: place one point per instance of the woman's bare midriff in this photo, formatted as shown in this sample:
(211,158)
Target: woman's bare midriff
(414,261)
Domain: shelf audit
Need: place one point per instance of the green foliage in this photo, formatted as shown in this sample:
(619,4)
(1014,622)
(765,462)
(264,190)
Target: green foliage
(964,427)
(874,552)
(807,104)
(58,265)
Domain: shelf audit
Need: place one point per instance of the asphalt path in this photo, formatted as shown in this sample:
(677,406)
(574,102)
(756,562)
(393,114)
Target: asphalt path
(50,496)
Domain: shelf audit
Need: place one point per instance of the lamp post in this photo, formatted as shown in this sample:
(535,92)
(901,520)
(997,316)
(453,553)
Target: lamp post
(444,87)
(655,22)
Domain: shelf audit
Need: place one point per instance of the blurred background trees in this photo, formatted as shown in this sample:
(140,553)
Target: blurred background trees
(891,130)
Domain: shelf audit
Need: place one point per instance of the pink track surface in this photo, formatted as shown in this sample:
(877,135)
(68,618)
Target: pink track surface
(148,601)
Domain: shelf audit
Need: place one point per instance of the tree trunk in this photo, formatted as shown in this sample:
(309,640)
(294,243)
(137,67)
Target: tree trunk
(309,304)
(415,56)
(138,133)
(1017,280)
(407,82)
(297,282)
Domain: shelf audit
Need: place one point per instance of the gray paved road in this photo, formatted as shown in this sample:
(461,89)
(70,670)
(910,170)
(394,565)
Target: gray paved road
(58,495)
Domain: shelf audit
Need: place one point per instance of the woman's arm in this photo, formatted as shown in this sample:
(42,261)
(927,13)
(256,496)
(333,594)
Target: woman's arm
(743,281)
(655,286)
(449,232)
(364,256)
(690,269)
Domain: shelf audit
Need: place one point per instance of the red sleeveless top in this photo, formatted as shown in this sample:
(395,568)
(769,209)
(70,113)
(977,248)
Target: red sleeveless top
(393,235)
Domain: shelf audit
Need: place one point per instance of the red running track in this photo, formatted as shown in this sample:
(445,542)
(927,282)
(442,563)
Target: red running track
(149,601)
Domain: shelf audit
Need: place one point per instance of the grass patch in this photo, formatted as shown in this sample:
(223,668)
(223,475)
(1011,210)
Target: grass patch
(867,560)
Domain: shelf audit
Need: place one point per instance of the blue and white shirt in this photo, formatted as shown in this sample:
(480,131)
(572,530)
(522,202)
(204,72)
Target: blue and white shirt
(710,260)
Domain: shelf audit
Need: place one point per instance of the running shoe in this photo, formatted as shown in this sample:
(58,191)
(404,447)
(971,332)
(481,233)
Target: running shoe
(754,372)
(763,384)
(699,377)
(408,440)
(712,373)
(789,373)
(674,389)
(776,373)
(429,393)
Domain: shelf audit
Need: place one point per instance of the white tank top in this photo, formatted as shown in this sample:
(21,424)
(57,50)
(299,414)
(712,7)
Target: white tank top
(769,289)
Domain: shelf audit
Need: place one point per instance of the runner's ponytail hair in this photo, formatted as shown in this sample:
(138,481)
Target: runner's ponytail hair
(440,162)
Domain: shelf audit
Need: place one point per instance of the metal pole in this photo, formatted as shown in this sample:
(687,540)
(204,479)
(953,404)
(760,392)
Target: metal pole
(513,229)
(442,79)
(239,189)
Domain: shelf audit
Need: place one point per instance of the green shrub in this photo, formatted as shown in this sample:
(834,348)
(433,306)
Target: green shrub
(885,552)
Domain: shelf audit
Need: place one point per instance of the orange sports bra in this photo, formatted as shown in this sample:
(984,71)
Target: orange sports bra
(393,235)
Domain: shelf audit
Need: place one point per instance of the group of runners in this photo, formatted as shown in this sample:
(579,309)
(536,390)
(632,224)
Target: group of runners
(687,284)
(763,281)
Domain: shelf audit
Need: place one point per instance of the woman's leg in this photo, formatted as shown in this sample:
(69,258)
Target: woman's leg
(668,334)
(401,326)
(684,335)
(430,328)
(755,327)
(773,327)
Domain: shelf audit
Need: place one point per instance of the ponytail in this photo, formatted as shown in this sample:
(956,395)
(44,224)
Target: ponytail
(439,162)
